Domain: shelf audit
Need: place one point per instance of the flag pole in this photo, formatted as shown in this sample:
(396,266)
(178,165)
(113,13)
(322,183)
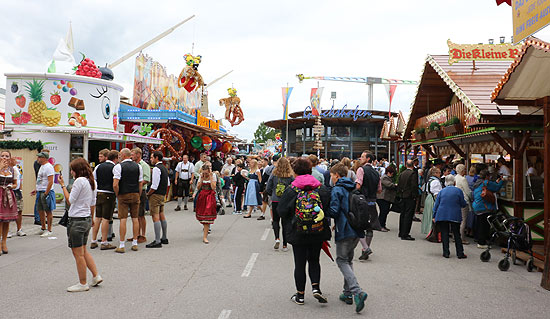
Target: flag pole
(286,115)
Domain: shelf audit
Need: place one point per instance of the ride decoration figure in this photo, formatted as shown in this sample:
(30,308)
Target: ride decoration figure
(233,112)
(190,78)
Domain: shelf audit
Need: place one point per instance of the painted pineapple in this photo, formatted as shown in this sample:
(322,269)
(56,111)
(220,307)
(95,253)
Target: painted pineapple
(50,117)
(37,105)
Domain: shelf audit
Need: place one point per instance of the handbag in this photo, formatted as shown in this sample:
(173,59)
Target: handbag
(64,221)
(487,195)
(435,234)
(397,206)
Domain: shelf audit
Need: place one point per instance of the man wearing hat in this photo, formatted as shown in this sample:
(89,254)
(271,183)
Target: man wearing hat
(45,195)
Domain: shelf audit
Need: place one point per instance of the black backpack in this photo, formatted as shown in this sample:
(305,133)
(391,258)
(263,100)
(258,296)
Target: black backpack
(360,211)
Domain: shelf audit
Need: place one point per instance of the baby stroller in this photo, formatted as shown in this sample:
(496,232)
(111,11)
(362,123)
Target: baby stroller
(515,234)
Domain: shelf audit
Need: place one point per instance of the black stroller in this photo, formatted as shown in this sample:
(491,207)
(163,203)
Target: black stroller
(513,233)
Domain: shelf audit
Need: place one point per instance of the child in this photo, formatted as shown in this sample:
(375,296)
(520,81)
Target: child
(346,237)
(226,189)
(239,182)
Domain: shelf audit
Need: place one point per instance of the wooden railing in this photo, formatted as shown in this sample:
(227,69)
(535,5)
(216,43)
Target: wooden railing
(457,109)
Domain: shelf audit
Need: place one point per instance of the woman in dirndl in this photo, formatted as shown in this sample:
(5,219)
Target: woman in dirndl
(8,202)
(433,187)
(205,199)
(252,197)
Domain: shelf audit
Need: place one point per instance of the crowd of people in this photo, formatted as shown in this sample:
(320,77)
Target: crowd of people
(309,199)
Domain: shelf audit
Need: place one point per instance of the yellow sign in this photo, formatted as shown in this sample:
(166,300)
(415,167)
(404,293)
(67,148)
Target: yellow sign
(482,52)
(529,16)
(206,122)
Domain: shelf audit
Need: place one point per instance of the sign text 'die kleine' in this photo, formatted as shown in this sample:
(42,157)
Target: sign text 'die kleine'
(482,52)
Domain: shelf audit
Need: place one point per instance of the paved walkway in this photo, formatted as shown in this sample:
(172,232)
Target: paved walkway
(239,275)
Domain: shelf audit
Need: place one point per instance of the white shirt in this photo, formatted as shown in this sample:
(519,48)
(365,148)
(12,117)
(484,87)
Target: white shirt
(117,170)
(181,167)
(228,167)
(504,171)
(435,186)
(462,183)
(82,197)
(18,177)
(95,177)
(531,171)
(156,178)
(44,172)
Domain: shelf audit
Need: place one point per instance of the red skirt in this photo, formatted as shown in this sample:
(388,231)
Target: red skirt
(8,206)
(205,209)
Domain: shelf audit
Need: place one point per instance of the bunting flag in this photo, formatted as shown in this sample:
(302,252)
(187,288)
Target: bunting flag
(286,95)
(315,100)
(390,89)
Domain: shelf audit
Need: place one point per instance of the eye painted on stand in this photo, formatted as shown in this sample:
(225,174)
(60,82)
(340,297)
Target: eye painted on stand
(106,107)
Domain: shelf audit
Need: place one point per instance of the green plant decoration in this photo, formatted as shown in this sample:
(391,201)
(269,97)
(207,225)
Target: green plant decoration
(19,145)
(420,130)
(434,126)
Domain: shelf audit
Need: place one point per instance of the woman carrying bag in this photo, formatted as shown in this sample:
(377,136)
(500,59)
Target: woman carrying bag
(82,200)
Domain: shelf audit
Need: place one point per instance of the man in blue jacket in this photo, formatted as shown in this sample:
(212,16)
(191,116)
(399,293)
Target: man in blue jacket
(346,237)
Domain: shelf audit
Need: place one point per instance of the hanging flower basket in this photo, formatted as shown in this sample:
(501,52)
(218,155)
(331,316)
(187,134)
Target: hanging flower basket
(452,129)
(434,134)
(420,136)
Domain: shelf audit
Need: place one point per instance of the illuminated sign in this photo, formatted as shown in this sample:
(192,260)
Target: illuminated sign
(207,122)
(332,113)
(482,52)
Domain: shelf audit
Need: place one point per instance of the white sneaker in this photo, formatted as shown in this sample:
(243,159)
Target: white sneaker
(46,234)
(78,288)
(96,280)
(482,246)
(40,232)
(21,233)
(10,234)
(285,249)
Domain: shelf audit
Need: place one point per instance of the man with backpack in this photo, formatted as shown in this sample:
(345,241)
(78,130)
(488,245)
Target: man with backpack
(346,236)
(368,182)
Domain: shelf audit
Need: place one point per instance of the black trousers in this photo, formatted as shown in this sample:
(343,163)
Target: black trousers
(183,187)
(482,229)
(306,254)
(384,206)
(239,198)
(444,227)
(406,218)
(277,221)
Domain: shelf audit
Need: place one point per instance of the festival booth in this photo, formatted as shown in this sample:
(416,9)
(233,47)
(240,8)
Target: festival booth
(453,114)
(525,83)
(72,115)
(174,110)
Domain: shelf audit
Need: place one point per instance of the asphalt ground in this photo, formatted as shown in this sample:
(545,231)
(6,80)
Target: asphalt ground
(240,275)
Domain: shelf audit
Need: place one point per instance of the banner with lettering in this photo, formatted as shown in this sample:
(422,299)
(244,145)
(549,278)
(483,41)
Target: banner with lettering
(286,95)
(315,99)
(482,52)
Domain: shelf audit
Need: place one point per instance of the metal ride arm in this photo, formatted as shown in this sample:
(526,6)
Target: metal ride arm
(148,43)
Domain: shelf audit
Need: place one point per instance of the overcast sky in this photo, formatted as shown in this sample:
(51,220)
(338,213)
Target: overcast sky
(266,43)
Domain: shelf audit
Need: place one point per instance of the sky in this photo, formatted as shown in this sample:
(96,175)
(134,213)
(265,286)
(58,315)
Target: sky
(266,43)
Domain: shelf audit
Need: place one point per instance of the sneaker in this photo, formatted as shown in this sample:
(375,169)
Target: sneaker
(177,209)
(348,299)
(360,301)
(119,250)
(78,288)
(93,245)
(261,217)
(482,246)
(96,280)
(46,233)
(365,254)
(317,294)
(164,241)
(41,231)
(10,234)
(285,249)
(298,298)
(229,205)
(277,243)
(107,246)
(135,247)
(153,244)
(21,233)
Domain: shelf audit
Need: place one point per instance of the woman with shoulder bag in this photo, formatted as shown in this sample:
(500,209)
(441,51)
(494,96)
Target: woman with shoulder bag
(278,182)
(387,196)
(484,206)
(81,199)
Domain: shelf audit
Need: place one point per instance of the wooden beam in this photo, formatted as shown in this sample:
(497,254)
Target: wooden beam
(504,144)
(545,282)
(429,150)
(515,102)
(521,148)
(457,149)
(518,173)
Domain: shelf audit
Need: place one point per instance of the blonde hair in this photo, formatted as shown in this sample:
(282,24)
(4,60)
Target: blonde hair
(434,170)
(253,165)
(472,171)
(346,161)
(283,168)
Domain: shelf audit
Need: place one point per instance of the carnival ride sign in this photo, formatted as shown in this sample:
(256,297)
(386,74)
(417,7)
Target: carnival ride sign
(529,16)
(207,122)
(482,52)
(154,89)
(332,113)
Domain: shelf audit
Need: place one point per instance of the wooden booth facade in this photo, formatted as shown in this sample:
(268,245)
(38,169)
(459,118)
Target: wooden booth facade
(453,114)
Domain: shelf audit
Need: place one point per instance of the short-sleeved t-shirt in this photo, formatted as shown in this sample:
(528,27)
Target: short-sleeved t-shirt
(146,169)
(44,172)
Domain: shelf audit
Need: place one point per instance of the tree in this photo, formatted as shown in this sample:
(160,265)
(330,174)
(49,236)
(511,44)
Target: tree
(264,133)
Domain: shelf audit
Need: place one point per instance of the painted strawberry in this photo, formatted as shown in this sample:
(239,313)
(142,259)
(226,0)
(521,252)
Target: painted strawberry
(16,118)
(20,100)
(25,117)
(55,98)
(115,121)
